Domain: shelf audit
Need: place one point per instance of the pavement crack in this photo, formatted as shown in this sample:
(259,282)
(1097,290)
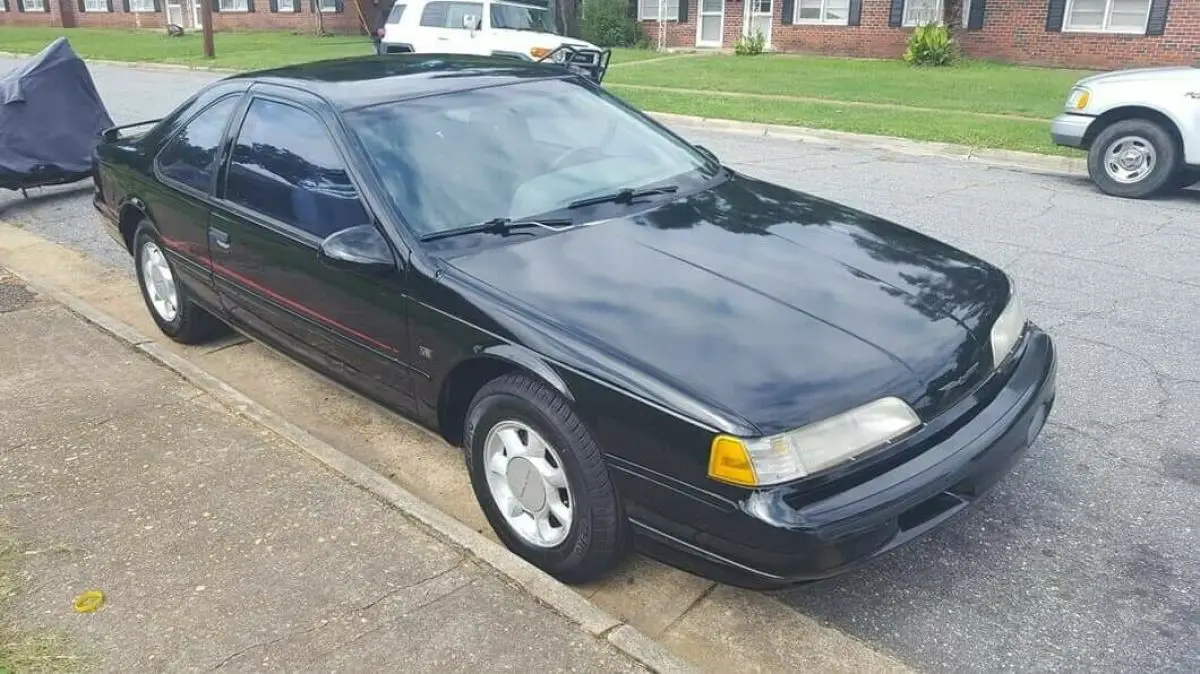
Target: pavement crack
(394,591)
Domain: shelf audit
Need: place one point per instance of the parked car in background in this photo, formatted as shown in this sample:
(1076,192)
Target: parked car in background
(521,29)
(628,339)
(1141,129)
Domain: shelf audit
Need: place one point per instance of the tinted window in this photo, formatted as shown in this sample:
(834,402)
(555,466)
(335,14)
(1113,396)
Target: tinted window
(396,13)
(449,14)
(190,157)
(286,166)
(514,151)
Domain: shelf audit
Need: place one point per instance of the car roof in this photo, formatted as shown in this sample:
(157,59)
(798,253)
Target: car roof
(360,81)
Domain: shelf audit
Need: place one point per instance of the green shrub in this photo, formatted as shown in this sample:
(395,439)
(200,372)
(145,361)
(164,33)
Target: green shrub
(750,45)
(606,23)
(931,45)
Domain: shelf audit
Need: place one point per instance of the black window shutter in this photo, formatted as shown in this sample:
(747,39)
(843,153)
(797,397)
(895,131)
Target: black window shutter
(216,5)
(789,12)
(81,7)
(296,6)
(896,15)
(340,6)
(110,6)
(855,18)
(158,5)
(1158,17)
(1054,15)
(633,9)
(975,16)
(273,6)
(683,11)
(21,6)
(249,5)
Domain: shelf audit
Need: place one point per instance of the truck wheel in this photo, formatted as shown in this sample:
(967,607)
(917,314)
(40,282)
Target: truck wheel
(1133,158)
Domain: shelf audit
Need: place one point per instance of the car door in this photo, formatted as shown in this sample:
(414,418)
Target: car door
(185,167)
(283,189)
(442,27)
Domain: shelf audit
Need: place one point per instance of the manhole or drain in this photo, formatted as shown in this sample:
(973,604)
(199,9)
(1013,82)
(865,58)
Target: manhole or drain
(14,295)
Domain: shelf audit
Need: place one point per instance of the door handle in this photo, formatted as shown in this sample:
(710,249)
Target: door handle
(218,238)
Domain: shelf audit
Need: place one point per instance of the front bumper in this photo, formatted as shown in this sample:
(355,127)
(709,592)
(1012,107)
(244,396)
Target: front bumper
(793,533)
(1070,130)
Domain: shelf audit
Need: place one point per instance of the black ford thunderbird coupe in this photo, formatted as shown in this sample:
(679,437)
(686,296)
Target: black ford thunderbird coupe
(630,341)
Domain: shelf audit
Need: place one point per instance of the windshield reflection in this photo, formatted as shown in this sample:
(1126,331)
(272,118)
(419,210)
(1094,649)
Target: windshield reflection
(514,151)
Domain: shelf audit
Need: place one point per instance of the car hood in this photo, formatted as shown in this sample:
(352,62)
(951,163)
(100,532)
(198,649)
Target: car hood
(760,302)
(525,40)
(1135,75)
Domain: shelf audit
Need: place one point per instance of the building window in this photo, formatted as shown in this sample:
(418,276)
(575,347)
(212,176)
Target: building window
(328,6)
(142,6)
(1107,16)
(95,5)
(233,5)
(33,5)
(921,12)
(823,11)
(285,5)
(648,10)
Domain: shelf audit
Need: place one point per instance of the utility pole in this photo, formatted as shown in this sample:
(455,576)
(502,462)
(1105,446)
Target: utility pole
(207,27)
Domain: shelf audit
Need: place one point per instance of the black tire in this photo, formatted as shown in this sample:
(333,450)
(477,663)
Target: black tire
(191,324)
(597,537)
(1159,178)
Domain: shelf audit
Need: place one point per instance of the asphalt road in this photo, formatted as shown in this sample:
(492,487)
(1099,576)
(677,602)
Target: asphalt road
(1088,557)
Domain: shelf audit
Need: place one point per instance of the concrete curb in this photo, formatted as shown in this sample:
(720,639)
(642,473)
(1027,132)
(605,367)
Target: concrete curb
(541,585)
(1028,161)
(1012,159)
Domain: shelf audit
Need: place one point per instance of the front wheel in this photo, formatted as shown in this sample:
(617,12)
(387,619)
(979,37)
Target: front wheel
(542,481)
(1133,158)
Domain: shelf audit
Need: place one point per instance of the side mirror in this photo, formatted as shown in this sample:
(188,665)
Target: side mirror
(360,248)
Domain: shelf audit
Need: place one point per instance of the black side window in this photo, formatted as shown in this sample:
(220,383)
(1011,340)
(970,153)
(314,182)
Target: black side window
(191,156)
(285,166)
(450,14)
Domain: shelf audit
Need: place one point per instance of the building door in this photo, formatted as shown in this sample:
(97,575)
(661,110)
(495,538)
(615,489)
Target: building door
(760,18)
(175,14)
(711,26)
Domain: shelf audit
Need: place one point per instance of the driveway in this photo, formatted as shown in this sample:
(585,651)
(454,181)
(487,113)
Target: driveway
(1087,557)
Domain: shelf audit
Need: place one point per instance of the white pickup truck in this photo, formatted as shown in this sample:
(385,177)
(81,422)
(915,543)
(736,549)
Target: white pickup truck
(520,29)
(1141,128)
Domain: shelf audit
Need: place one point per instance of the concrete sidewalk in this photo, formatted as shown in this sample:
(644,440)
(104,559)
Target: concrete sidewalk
(217,543)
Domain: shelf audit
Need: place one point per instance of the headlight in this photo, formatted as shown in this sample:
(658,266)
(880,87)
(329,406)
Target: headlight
(562,56)
(760,462)
(1078,100)
(1007,329)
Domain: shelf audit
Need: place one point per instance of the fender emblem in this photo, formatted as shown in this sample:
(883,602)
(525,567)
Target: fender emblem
(425,352)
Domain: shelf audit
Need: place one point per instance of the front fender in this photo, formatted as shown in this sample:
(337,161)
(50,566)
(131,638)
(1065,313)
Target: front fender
(526,359)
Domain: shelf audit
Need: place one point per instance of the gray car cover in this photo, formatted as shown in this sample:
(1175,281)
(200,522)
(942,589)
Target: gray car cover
(51,119)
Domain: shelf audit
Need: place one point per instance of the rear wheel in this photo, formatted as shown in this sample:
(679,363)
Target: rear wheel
(168,300)
(541,480)
(1133,158)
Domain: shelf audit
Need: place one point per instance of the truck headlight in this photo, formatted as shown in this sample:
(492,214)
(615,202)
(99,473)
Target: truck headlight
(1078,99)
(758,462)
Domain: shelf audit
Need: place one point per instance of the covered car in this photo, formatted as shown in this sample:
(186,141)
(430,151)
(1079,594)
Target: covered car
(51,119)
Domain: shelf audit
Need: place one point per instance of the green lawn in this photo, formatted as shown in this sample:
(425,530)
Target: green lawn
(240,50)
(972,86)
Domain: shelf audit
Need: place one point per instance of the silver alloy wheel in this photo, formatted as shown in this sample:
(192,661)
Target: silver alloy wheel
(1130,159)
(526,479)
(159,282)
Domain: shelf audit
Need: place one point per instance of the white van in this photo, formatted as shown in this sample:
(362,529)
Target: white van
(521,29)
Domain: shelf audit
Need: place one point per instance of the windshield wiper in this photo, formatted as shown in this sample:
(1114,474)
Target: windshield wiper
(625,196)
(500,226)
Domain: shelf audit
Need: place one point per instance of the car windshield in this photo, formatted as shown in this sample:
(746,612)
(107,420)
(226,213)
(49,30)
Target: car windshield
(515,151)
(521,17)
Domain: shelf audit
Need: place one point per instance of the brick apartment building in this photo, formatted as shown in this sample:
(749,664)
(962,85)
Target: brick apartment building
(336,16)
(1076,33)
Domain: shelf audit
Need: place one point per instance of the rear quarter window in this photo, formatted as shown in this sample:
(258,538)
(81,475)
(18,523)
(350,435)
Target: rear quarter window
(396,13)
